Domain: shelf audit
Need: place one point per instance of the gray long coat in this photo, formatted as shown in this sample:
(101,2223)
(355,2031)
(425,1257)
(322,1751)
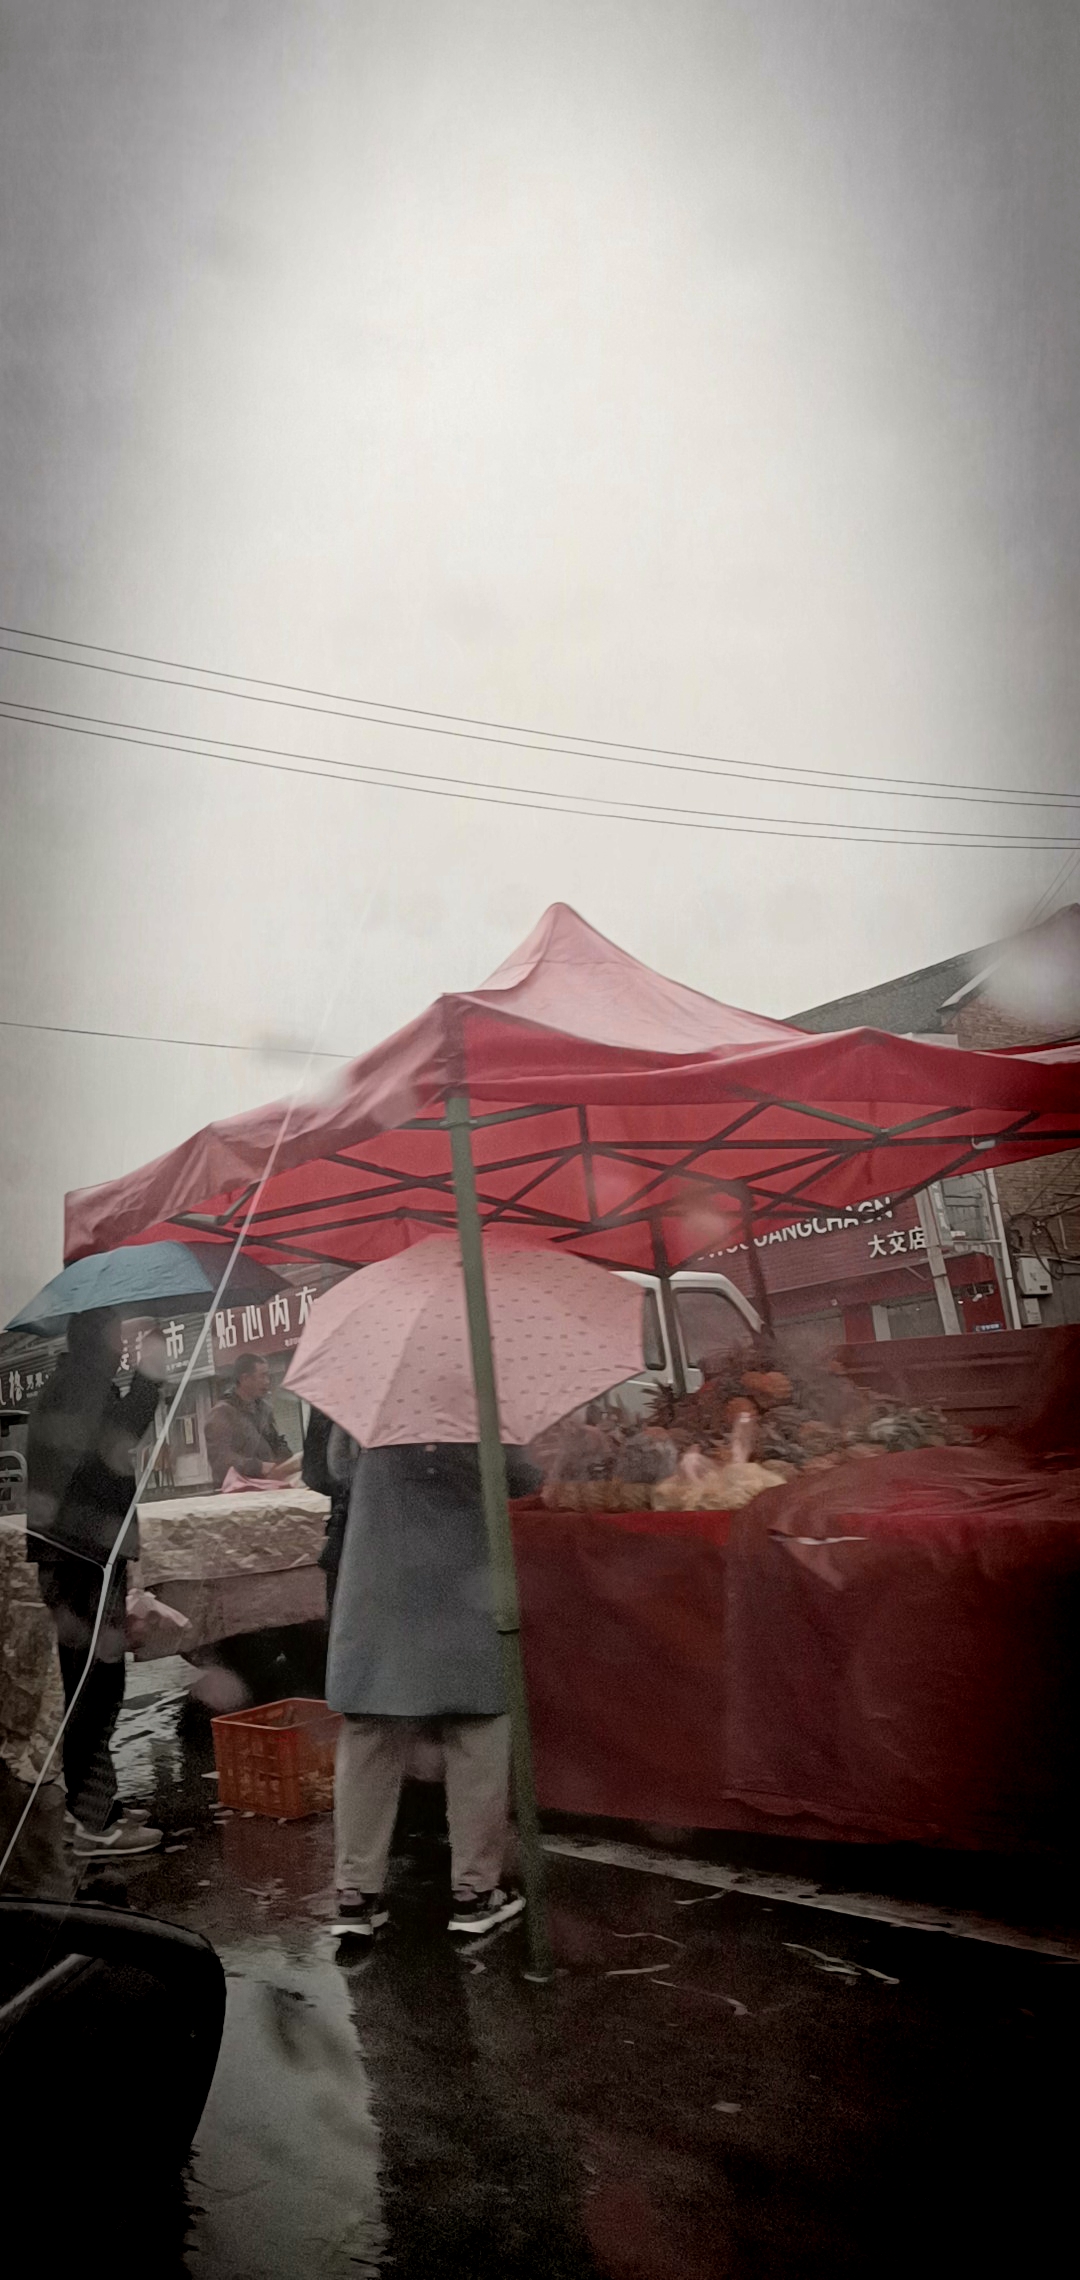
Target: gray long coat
(412,1634)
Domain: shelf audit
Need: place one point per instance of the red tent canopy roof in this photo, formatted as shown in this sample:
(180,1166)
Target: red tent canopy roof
(619,1113)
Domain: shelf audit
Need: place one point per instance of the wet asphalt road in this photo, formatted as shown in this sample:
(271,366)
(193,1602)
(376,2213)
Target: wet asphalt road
(715,2084)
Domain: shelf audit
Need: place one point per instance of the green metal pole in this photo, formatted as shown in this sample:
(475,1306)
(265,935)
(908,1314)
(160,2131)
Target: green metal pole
(669,1317)
(497,1518)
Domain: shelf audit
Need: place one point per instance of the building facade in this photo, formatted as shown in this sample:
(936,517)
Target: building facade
(1021,992)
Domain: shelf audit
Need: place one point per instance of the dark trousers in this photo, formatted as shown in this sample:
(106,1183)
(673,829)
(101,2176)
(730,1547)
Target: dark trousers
(71,1590)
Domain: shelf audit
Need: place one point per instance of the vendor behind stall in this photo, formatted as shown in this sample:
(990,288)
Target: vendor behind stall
(241,1434)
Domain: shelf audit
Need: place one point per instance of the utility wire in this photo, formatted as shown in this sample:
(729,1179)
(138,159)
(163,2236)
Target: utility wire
(1045,901)
(472,729)
(384,776)
(200,1044)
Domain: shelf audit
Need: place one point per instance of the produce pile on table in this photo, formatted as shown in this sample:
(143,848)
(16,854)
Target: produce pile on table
(748,1428)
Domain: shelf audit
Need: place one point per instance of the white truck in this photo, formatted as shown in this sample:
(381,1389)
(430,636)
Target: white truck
(692,1317)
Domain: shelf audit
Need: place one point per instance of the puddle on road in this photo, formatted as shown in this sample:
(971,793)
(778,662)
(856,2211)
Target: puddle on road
(285,2171)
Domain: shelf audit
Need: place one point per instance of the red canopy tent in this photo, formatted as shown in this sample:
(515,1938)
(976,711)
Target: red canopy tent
(612,1110)
(582,1099)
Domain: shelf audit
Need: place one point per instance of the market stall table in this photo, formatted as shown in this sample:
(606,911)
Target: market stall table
(235,1563)
(886,1652)
(31,1698)
(623,1620)
(230,1564)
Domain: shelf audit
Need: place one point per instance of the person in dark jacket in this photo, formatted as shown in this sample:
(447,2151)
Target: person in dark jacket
(241,1432)
(414,1652)
(329,1461)
(80,1464)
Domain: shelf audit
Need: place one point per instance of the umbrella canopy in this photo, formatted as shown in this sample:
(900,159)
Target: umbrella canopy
(386,1353)
(615,1113)
(153,1276)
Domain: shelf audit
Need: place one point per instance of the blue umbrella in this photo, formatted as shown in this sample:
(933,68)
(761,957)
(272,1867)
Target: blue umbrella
(150,1277)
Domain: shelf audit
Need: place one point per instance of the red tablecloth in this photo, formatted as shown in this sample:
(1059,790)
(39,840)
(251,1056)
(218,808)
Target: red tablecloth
(623,1618)
(887,1652)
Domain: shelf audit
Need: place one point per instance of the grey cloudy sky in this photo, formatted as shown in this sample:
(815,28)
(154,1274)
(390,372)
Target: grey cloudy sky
(684,372)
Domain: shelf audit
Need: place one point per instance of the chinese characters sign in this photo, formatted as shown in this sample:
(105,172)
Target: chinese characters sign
(269,1328)
(181,1335)
(272,1327)
(830,1249)
(900,1240)
(872,1231)
(21,1382)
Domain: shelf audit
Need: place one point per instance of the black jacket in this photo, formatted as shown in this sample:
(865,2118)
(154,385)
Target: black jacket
(329,1460)
(80,1453)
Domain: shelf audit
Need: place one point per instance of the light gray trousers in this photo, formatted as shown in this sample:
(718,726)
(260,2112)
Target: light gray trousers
(373,1757)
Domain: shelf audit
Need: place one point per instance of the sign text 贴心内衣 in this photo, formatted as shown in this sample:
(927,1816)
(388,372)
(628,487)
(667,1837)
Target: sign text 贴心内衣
(271,1327)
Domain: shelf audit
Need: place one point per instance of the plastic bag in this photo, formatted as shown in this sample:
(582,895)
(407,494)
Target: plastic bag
(701,1485)
(152,1627)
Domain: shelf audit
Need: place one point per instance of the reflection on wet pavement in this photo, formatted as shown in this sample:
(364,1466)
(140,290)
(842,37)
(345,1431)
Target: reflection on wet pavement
(741,2087)
(285,2173)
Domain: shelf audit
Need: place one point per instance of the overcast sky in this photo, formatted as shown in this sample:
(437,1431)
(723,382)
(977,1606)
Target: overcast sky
(681,372)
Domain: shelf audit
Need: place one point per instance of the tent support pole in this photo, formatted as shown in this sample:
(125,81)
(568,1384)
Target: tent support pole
(759,1288)
(670,1326)
(497,1520)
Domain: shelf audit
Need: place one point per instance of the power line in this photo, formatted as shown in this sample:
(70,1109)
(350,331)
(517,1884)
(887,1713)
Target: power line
(52,716)
(1046,900)
(559,742)
(201,1044)
(383,776)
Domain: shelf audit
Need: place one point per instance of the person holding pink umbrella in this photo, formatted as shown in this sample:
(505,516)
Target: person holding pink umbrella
(414,1652)
(414,1639)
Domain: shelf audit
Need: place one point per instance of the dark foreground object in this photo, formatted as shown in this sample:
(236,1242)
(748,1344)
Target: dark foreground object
(110,2027)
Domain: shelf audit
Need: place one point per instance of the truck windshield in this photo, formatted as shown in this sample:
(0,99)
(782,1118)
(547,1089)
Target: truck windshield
(710,1324)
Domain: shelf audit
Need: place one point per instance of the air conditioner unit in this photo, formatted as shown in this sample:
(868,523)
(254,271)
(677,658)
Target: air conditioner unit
(1034,1279)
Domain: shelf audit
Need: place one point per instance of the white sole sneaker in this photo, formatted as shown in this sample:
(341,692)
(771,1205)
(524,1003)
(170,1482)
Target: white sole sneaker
(469,1924)
(360,1927)
(123,1841)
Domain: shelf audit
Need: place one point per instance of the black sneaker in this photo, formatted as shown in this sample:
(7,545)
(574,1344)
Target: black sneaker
(481,1911)
(360,1915)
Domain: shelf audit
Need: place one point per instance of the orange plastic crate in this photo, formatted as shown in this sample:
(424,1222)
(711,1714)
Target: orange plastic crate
(277,1758)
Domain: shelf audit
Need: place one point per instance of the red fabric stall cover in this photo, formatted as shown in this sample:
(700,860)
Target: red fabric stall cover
(917,1681)
(901,1649)
(623,1621)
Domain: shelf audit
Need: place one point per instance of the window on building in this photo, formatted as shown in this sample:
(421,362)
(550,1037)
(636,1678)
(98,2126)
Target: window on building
(915,1318)
(965,1208)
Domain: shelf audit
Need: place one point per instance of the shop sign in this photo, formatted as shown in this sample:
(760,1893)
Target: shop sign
(21,1382)
(273,1327)
(181,1335)
(837,1246)
(837,1223)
